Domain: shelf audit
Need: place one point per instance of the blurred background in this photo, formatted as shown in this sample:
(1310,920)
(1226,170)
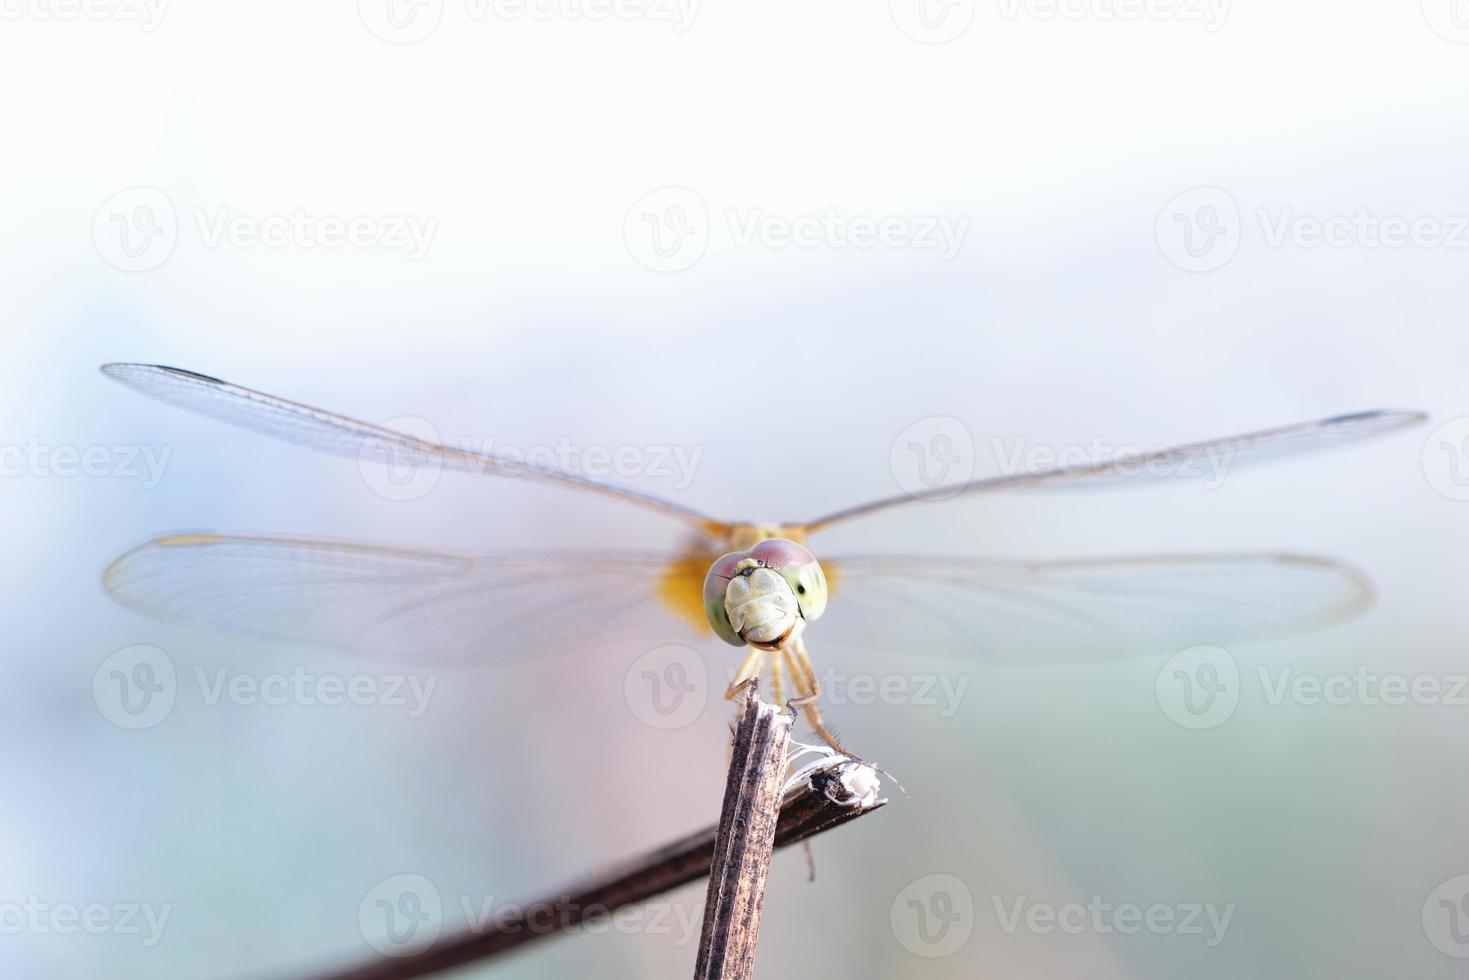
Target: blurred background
(772,239)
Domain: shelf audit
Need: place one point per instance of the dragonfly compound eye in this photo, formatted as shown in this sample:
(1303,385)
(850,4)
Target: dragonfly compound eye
(764,596)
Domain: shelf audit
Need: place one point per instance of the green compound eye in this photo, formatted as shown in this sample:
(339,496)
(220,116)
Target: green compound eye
(715,585)
(808,581)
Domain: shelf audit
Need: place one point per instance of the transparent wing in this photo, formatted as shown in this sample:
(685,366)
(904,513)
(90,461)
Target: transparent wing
(421,607)
(1196,460)
(343,436)
(1079,611)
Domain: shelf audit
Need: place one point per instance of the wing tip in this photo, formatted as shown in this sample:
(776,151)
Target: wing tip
(178,540)
(1391,419)
(1361,601)
(119,371)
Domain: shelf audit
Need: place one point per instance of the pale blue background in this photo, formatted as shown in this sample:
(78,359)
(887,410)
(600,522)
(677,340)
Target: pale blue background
(794,370)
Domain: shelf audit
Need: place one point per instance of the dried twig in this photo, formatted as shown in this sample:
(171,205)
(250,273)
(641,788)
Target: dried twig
(744,842)
(822,798)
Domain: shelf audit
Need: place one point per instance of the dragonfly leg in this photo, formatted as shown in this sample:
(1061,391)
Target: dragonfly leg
(748,671)
(777,681)
(810,691)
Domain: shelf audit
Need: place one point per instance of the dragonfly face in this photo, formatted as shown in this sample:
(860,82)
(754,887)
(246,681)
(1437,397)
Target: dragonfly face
(765,595)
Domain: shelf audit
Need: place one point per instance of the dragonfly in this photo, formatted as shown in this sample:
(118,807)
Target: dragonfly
(754,585)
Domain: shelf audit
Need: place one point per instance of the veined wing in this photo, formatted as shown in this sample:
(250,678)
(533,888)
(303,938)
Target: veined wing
(343,436)
(423,607)
(1191,460)
(1080,611)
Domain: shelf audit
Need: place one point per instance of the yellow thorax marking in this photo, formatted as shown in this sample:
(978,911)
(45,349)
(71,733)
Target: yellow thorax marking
(681,583)
(744,536)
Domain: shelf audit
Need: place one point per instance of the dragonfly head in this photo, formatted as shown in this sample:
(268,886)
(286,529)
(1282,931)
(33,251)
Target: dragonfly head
(766,595)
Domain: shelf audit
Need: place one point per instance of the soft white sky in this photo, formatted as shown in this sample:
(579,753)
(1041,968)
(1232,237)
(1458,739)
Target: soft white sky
(1057,144)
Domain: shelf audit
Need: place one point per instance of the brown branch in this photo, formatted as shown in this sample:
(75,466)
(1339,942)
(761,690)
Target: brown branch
(744,842)
(820,802)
